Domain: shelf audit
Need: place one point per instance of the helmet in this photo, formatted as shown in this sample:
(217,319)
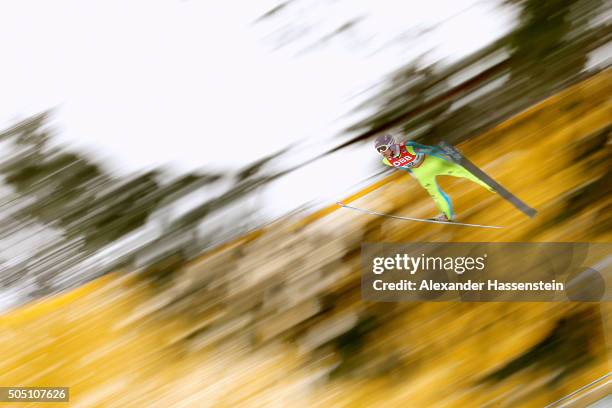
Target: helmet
(388,141)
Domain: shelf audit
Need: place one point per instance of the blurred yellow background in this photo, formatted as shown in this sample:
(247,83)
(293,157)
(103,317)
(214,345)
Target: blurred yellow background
(275,318)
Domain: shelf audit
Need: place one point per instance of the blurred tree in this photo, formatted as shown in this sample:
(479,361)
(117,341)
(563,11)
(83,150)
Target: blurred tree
(568,347)
(547,43)
(68,192)
(547,50)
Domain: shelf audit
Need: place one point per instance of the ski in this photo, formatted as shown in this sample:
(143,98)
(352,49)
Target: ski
(461,160)
(415,219)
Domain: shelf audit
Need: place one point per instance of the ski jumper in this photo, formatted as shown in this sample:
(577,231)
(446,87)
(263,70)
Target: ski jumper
(425,163)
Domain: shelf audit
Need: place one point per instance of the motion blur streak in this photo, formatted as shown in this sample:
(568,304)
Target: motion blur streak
(274,318)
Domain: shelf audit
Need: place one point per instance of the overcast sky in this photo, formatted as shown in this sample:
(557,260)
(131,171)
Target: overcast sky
(149,82)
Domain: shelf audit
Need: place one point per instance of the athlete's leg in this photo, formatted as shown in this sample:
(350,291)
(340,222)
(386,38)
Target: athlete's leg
(453,169)
(427,179)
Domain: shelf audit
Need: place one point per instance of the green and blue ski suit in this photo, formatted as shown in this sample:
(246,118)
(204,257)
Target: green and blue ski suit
(425,163)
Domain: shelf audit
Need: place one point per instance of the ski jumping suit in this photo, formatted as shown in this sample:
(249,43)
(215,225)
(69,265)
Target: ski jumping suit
(425,163)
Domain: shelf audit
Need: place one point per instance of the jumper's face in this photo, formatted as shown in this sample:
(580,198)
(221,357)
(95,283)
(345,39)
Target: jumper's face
(385,150)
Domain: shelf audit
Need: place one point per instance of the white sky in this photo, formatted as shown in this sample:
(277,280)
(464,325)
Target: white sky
(167,81)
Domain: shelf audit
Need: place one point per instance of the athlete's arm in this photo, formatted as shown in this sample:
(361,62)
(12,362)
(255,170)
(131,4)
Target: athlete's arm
(428,150)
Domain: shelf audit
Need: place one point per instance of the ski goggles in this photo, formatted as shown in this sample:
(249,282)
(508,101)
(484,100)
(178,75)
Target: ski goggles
(383,148)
